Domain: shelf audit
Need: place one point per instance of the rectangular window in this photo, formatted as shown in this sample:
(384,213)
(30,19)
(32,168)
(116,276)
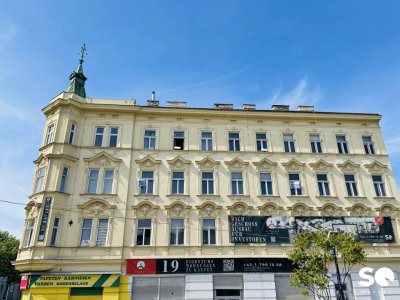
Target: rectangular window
(295,184)
(92,181)
(49,134)
(71,134)
(207,183)
(177,232)
(108,181)
(149,139)
(206,141)
(261,142)
(54,232)
(342,144)
(234,141)
(28,233)
(178,182)
(237,183)
(266,184)
(86,232)
(179,140)
(351,185)
(39,180)
(368,145)
(102,228)
(379,186)
(113,137)
(288,142)
(64,177)
(208,231)
(143,233)
(98,136)
(147,182)
(323,185)
(315,142)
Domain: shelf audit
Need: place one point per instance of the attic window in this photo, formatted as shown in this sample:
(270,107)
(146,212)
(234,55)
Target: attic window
(179,140)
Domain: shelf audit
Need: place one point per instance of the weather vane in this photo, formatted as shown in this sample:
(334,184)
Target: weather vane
(83,52)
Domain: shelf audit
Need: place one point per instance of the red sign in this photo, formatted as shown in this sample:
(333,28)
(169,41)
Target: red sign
(24,282)
(140,266)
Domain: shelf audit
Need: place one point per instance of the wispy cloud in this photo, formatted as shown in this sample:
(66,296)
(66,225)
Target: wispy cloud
(8,111)
(393,144)
(301,94)
(7,34)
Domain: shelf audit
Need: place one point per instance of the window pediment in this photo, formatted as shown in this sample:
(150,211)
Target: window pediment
(270,209)
(348,166)
(265,164)
(148,162)
(146,209)
(178,163)
(240,208)
(376,166)
(359,210)
(96,207)
(102,159)
(207,163)
(293,165)
(178,209)
(388,210)
(329,210)
(209,209)
(321,165)
(300,209)
(236,163)
(41,161)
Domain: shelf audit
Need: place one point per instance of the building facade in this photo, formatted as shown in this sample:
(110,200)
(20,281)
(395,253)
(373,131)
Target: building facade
(160,202)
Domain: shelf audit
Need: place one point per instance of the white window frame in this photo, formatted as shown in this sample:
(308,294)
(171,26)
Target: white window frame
(40,180)
(236,183)
(207,140)
(108,178)
(324,183)
(177,230)
(54,231)
(90,229)
(149,139)
(145,229)
(379,186)
(30,225)
(369,147)
(90,178)
(209,229)
(290,142)
(292,181)
(263,142)
(181,138)
(268,193)
(342,145)
(315,143)
(111,135)
(64,180)
(102,242)
(207,180)
(353,186)
(147,180)
(179,182)
(49,134)
(72,133)
(235,142)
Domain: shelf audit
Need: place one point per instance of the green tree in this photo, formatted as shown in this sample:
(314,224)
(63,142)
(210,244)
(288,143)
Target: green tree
(314,253)
(8,252)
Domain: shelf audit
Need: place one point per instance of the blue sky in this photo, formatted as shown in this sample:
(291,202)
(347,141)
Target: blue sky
(336,55)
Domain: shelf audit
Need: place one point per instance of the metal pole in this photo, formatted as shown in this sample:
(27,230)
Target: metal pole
(341,294)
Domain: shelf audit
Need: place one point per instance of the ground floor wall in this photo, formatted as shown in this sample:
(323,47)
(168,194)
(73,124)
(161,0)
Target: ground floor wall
(235,286)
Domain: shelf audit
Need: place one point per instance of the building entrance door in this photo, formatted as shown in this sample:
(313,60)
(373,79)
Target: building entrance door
(228,295)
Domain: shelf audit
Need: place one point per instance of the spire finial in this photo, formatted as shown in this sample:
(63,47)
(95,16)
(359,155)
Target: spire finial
(83,53)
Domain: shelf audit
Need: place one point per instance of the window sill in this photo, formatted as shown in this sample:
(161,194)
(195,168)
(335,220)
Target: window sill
(355,198)
(298,197)
(239,197)
(268,196)
(98,195)
(146,195)
(178,196)
(327,198)
(387,198)
(208,195)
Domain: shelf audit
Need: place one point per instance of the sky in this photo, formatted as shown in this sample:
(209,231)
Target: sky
(336,55)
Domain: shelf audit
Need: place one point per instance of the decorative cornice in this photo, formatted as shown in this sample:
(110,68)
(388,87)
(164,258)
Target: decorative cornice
(265,164)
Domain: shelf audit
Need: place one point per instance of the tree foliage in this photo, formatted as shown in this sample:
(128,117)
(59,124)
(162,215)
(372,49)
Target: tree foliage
(313,254)
(8,252)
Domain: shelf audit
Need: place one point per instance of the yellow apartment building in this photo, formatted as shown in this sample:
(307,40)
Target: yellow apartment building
(174,202)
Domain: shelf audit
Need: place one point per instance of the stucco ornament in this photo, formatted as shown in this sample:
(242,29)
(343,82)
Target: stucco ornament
(97,208)
(270,210)
(177,209)
(329,210)
(358,210)
(145,209)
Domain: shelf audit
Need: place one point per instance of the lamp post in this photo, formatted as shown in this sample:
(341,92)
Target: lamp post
(339,280)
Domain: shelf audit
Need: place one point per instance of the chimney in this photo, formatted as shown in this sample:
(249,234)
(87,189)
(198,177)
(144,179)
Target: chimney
(176,103)
(278,107)
(223,106)
(153,102)
(308,108)
(249,106)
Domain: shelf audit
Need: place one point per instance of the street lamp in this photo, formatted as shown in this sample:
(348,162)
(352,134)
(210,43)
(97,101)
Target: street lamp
(339,280)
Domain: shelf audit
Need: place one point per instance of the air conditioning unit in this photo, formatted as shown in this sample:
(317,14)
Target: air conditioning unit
(177,148)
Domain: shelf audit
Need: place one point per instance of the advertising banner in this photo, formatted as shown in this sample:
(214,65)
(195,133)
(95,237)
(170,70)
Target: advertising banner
(75,280)
(45,219)
(274,229)
(207,265)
